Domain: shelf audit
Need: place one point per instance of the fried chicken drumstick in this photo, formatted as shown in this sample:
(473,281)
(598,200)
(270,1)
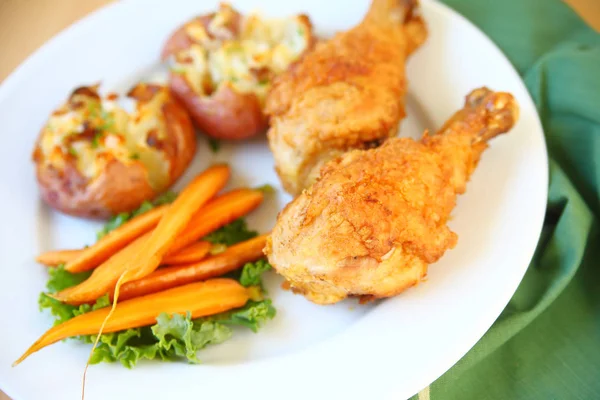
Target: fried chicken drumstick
(348,93)
(375,219)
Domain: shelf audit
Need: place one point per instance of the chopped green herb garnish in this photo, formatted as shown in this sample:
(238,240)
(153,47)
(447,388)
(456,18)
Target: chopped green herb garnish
(266,189)
(96,140)
(234,47)
(177,70)
(214,144)
(94,109)
(108,123)
(134,156)
(72,151)
(217,249)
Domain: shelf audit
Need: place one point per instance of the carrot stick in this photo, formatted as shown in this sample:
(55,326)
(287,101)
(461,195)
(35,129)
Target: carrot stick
(192,253)
(165,278)
(219,212)
(85,259)
(115,240)
(53,258)
(109,271)
(134,262)
(175,220)
(200,299)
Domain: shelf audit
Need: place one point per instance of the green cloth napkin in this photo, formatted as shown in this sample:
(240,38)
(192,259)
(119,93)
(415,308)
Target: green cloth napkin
(546,343)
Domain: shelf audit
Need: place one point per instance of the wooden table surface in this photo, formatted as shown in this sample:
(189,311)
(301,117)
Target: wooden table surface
(27,24)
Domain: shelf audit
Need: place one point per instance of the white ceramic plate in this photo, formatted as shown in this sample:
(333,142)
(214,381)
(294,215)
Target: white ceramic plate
(391,350)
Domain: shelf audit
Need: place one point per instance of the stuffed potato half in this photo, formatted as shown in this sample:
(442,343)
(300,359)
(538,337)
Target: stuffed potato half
(222,65)
(93,159)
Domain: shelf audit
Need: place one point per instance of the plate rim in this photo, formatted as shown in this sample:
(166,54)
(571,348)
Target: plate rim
(21,71)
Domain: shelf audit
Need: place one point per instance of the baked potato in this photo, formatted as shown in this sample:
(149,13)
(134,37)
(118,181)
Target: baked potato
(222,65)
(94,160)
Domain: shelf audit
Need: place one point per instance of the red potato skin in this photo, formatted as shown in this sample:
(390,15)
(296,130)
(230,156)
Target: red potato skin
(181,147)
(181,144)
(225,114)
(119,187)
(178,41)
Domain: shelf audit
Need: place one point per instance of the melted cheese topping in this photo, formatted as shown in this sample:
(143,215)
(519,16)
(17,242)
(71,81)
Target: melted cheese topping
(245,52)
(93,131)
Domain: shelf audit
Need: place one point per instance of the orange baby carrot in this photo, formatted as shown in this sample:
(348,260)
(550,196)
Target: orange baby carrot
(98,284)
(145,254)
(219,212)
(200,299)
(53,258)
(90,257)
(165,278)
(175,220)
(192,253)
(115,240)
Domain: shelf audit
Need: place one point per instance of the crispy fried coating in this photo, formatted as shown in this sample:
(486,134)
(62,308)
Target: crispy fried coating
(348,93)
(375,219)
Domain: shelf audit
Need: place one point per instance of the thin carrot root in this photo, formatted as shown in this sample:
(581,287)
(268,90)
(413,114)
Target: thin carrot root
(200,299)
(192,253)
(115,240)
(165,278)
(54,258)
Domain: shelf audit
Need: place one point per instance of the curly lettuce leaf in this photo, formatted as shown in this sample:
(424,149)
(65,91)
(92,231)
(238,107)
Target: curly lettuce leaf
(177,336)
(63,312)
(253,315)
(119,219)
(183,337)
(173,337)
(60,279)
(232,233)
(102,302)
(252,273)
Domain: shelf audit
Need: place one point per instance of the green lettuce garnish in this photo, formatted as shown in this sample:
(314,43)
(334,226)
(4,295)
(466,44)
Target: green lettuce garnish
(177,336)
(214,145)
(252,316)
(119,219)
(232,233)
(252,273)
(60,279)
(173,337)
